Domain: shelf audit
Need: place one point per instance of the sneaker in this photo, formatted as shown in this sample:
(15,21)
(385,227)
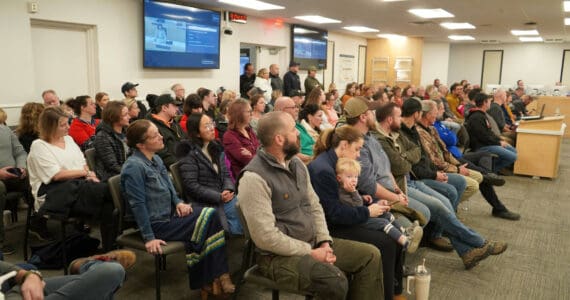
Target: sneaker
(493,179)
(414,234)
(440,244)
(126,258)
(475,255)
(7,249)
(507,215)
(38,228)
(497,247)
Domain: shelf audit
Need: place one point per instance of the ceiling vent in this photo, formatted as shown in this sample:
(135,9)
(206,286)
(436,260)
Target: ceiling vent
(553,41)
(421,23)
(493,42)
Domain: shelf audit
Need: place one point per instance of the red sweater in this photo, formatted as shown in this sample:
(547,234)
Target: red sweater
(81,131)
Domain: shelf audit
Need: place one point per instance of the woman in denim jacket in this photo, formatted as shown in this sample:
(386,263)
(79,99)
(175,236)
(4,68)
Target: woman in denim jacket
(161,216)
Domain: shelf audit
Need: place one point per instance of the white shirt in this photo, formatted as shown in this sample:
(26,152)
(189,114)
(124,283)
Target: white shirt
(45,160)
(265,85)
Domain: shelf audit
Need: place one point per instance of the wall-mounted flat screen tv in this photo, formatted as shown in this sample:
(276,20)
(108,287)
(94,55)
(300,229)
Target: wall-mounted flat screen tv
(179,36)
(309,46)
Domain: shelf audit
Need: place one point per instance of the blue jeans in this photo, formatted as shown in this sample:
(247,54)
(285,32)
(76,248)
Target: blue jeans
(96,280)
(462,237)
(452,190)
(234,222)
(507,156)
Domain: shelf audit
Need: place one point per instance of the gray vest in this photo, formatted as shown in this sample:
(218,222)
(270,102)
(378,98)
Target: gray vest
(289,195)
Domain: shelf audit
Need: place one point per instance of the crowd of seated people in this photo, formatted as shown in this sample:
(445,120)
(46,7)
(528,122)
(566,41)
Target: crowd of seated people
(405,145)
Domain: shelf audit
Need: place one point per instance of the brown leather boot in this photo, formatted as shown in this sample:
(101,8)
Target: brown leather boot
(227,286)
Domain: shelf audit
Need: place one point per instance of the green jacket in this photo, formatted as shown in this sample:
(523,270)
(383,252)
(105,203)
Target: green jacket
(310,84)
(307,142)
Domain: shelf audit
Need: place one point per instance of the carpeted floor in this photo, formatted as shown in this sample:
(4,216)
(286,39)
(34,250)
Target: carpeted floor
(536,265)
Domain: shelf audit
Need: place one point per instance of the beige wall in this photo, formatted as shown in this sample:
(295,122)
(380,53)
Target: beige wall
(410,47)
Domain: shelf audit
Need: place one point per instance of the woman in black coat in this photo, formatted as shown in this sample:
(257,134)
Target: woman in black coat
(110,141)
(205,177)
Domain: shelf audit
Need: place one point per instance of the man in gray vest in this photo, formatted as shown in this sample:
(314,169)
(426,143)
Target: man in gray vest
(287,223)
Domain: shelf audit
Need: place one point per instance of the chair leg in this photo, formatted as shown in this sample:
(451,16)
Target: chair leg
(163,262)
(63,252)
(27,231)
(157,267)
(275,294)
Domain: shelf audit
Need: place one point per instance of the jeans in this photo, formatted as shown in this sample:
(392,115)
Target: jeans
(507,156)
(453,189)
(462,237)
(96,280)
(234,222)
(328,281)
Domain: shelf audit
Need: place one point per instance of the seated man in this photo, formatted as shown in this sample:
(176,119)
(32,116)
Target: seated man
(13,177)
(482,137)
(287,223)
(163,116)
(95,277)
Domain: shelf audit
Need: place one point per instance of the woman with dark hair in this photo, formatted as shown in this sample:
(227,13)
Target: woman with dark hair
(82,128)
(27,129)
(101,99)
(317,96)
(222,120)
(161,216)
(61,181)
(347,221)
(258,109)
(192,104)
(349,92)
(110,144)
(311,119)
(240,141)
(209,101)
(205,177)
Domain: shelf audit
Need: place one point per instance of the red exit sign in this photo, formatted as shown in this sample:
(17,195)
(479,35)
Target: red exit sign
(238,18)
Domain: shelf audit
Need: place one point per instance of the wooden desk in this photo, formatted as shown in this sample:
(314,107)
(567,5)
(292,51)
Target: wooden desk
(538,146)
(553,103)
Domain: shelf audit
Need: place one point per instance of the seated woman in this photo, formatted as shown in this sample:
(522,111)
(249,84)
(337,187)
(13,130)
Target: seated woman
(206,179)
(28,130)
(101,99)
(192,104)
(110,144)
(258,109)
(330,116)
(133,108)
(346,221)
(82,128)
(240,141)
(61,182)
(311,117)
(161,216)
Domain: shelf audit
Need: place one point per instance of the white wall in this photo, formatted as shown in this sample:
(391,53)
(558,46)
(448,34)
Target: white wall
(435,62)
(534,63)
(119,34)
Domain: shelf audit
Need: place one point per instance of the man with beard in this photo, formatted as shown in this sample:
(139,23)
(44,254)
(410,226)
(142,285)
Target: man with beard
(287,223)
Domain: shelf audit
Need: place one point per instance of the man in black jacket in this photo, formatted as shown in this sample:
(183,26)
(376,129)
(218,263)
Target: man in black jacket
(276,81)
(291,80)
(246,80)
(162,115)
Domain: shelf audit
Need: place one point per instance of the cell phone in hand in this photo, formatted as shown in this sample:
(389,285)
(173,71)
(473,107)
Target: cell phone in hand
(15,171)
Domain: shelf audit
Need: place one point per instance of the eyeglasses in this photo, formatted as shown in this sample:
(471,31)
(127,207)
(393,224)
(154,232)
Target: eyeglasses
(292,107)
(210,125)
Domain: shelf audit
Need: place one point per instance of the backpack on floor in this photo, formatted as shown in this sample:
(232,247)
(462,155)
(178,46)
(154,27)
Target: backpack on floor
(76,245)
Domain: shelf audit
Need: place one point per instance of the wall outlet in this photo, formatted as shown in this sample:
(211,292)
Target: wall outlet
(33,7)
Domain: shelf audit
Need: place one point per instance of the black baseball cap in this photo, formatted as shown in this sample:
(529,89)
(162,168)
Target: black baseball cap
(165,99)
(294,64)
(127,86)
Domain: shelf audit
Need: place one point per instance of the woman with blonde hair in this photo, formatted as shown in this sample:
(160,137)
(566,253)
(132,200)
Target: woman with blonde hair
(28,130)
(263,83)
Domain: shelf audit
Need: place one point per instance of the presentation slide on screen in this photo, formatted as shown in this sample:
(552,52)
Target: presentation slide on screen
(310,48)
(178,36)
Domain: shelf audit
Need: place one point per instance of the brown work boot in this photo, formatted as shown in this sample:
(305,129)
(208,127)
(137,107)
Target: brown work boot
(475,255)
(440,244)
(125,258)
(497,247)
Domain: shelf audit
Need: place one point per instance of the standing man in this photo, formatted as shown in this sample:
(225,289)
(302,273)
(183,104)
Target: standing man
(50,98)
(162,115)
(129,89)
(311,81)
(276,81)
(288,225)
(246,80)
(291,80)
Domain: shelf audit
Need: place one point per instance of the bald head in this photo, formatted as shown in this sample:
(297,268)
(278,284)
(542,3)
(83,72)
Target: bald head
(282,102)
(271,124)
(500,96)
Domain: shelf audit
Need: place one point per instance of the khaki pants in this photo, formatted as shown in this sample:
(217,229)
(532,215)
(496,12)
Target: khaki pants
(472,181)
(328,281)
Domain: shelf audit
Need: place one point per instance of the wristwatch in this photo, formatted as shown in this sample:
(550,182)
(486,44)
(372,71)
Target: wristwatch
(35,272)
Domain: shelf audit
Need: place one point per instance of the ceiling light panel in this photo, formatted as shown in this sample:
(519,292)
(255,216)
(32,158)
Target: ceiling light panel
(360,29)
(461,37)
(252,4)
(317,19)
(530,39)
(435,13)
(453,26)
(524,32)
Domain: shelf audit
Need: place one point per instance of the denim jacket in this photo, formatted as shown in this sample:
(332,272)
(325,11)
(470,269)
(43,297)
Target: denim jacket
(148,191)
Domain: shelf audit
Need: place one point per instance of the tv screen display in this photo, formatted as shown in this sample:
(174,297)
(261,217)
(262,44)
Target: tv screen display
(178,36)
(309,46)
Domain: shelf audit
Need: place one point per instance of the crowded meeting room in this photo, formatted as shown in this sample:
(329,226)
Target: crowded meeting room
(279,149)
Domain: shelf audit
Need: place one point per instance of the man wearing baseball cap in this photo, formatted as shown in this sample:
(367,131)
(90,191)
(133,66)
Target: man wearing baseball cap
(129,89)
(311,81)
(291,80)
(162,115)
